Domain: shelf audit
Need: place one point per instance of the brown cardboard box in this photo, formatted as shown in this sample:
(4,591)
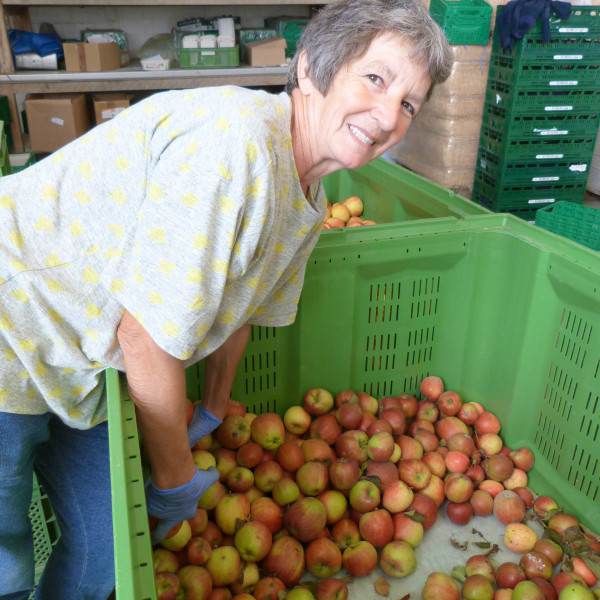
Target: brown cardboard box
(124,57)
(82,56)
(266,53)
(108,106)
(55,119)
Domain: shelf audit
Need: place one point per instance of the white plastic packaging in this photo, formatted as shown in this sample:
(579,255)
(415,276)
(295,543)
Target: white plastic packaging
(190,41)
(30,60)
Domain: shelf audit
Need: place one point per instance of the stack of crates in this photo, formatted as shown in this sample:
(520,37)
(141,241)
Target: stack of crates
(540,118)
(4,155)
(6,118)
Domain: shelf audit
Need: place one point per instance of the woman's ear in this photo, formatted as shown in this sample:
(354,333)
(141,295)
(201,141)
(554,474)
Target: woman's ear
(304,82)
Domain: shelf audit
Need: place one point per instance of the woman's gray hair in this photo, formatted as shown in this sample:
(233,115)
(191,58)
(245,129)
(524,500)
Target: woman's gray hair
(342,31)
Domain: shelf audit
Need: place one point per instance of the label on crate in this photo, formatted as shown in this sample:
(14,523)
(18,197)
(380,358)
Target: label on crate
(545,179)
(541,201)
(538,156)
(568,56)
(563,83)
(57,121)
(551,131)
(578,168)
(558,108)
(573,30)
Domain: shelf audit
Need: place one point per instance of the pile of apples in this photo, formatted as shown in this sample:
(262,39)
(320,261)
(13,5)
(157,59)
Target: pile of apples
(345,214)
(355,482)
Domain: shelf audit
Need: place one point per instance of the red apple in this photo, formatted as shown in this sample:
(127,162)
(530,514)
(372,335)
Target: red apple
(508,507)
(268,588)
(249,455)
(440,586)
(508,574)
(268,431)
(360,559)
(198,550)
(199,522)
(332,589)
(459,488)
(482,503)
(349,415)
(459,513)
(312,478)
(345,397)
(224,565)
(378,426)
(435,490)
(253,541)
(226,462)
(305,519)
(233,432)
(268,512)
(544,506)
(395,417)
(352,444)
(536,564)
(289,456)
(449,403)
(407,530)
(345,533)
(409,447)
(296,420)
(387,472)
(380,446)
(487,422)
(477,587)
(376,527)
(428,411)
(426,507)
(522,458)
(408,404)
(316,449)
(457,462)
(551,549)
(213,535)
(397,497)
(344,473)
(286,560)
(367,403)
(415,473)
(323,558)
(525,494)
(317,401)
(432,387)
(267,474)
(435,462)
(326,428)
(364,496)
(167,585)
(240,479)
(164,560)
(448,426)
(468,413)
(398,559)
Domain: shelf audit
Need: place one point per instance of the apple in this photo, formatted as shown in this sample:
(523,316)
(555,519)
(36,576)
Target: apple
(428,411)
(360,559)
(477,587)
(395,417)
(298,593)
(436,463)
(164,560)
(561,521)
(248,578)
(480,564)
(487,422)
(459,513)
(381,446)
(226,462)
(498,467)
(213,535)
(459,488)
(177,537)
(296,420)
(268,431)
(526,495)
(233,432)
(285,491)
(349,415)
(519,538)
(367,403)
(449,403)
(203,459)
(267,474)
(377,426)
(492,487)
(397,497)
(440,586)
(435,490)
(407,530)
(224,565)
(268,588)
(448,426)
(332,589)
(522,458)
(536,564)
(326,428)
(546,587)
(376,527)
(365,422)
(316,449)
(289,456)
(323,558)
(408,404)
(409,447)
(543,506)
(231,509)
(286,560)
(563,578)
(203,443)
(575,591)
(509,574)
(468,413)
(317,401)
(387,472)
(508,507)
(198,551)
(476,474)
(432,387)
(352,444)
(340,211)
(414,472)
(354,205)
(253,541)
(417,424)
(396,454)
(249,455)
(305,519)
(551,549)
(253,493)
(527,590)
(167,585)
(267,511)
(364,496)
(344,473)
(240,479)
(312,478)
(581,569)
(426,507)
(388,402)
(427,439)
(482,503)
(335,504)
(398,559)
(345,533)
(345,397)
(456,461)
(518,479)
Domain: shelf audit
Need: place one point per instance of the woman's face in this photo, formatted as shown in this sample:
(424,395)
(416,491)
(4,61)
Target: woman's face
(369,105)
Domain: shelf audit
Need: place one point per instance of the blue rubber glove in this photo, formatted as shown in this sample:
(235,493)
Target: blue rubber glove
(202,424)
(175,505)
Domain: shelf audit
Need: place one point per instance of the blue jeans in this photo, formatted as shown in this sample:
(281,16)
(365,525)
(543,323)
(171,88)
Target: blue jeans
(74,469)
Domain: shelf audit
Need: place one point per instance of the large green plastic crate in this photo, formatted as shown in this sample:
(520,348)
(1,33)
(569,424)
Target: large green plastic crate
(428,297)
(463,21)
(535,125)
(391,193)
(545,100)
(578,223)
(44,526)
(21,160)
(209,58)
(523,199)
(540,149)
(533,171)
(556,75)
(289,28)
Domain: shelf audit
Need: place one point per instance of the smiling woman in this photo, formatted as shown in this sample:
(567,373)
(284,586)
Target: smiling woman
(363,70)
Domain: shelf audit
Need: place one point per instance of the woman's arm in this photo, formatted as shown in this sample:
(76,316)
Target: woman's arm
(156,382)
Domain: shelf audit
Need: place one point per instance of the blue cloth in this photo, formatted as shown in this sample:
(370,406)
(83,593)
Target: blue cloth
(73,467)
(519,16)
(201,425)
(22,42)
(175,505)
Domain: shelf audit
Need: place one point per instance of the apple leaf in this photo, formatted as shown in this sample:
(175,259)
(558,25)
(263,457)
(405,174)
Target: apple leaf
(459,573)
(459,545)
(311,585)
(348,579)
(372,478)
(579,548)
(473,530)
(495,548)
(553,536)
(574,534)
(407,597)
(241,576)
(483,545)
(415,516)
(593,565)
(239,523)
(382,587)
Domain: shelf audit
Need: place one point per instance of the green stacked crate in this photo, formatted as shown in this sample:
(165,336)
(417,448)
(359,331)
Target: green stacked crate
(540,119)
(578,223)
(4,155)
(463,21)
(7,119)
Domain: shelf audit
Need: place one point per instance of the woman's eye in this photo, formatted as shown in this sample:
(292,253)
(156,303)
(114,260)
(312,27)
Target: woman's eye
(409,107)
(375,79)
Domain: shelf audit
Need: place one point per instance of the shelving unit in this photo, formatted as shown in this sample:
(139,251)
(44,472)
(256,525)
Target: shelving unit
(131,78)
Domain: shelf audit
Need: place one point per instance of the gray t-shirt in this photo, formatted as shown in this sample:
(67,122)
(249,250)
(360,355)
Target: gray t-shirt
(186,210)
